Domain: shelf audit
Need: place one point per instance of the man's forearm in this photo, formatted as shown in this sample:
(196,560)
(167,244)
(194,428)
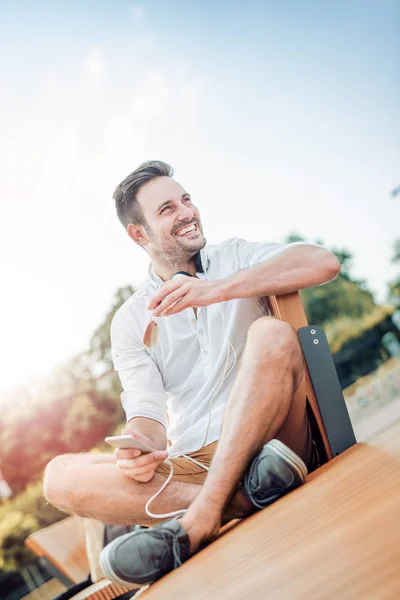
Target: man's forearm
(152,429)
(296,268)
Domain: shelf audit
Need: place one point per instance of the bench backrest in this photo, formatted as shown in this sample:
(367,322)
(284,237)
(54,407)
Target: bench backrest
(289,307)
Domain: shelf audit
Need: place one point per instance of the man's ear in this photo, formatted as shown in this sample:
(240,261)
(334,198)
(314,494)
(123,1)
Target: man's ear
(138,234)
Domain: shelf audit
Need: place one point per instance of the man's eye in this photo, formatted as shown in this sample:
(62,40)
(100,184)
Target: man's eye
(165,208)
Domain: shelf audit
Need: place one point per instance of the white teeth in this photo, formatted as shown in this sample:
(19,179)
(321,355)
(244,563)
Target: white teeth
(186,230)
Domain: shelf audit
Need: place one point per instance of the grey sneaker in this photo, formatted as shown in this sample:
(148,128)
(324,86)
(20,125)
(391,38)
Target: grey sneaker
(273,473)
(145,554)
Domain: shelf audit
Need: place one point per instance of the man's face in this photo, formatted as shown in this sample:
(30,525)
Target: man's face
(173,227)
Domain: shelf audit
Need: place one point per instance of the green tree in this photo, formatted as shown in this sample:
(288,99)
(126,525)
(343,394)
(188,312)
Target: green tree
(394,286)
(100,346)
(396,251)
(88,420)
(343,297)
(13,532)
(81,373)
(20,516)
(395,192)
(73,412)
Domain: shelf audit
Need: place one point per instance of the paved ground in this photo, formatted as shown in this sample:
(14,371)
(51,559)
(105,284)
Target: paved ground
(364,428)
(374,401)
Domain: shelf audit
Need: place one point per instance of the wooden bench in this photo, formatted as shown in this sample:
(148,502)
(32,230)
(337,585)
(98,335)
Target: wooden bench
(331,429)
(62,546)
(335,537)
(62,549)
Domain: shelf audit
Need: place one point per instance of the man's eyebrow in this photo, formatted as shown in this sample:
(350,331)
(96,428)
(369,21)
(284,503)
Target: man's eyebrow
(162,205)
(185,195)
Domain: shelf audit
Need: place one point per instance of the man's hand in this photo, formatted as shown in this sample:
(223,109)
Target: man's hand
(134,463)
(184,292)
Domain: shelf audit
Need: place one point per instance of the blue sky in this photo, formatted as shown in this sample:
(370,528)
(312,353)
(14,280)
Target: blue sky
(277,116)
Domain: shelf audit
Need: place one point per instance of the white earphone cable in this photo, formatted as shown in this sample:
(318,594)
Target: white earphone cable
(166,461)
(225,375)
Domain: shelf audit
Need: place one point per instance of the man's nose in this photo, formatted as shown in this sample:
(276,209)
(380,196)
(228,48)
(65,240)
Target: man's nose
(185,213)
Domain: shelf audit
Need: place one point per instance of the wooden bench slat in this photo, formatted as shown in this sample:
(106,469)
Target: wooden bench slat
(101,590)
(63,544)
(335,537)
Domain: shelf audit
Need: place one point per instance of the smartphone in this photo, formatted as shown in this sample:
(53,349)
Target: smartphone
(127,441)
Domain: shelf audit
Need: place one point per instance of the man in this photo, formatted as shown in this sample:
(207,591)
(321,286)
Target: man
(220,358)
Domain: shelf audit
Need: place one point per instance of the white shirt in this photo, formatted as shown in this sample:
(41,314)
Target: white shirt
(180,375)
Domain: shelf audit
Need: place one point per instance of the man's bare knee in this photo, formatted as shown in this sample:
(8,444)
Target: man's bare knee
(59,482)
(270,340)
(80,484)
(270,335)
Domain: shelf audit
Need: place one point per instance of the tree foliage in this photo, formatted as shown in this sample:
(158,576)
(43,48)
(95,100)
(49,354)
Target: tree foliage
(77,409)
(99,351)
(19,517)
(395,192)
(396,251)
(394,285)
(346,296)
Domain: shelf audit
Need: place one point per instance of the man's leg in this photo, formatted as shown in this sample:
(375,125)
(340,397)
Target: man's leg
(259,408)
(260,402)
(91,485)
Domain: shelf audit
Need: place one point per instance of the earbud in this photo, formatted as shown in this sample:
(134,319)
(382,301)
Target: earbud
(151,335)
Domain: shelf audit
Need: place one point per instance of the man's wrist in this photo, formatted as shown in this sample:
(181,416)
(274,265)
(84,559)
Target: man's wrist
(229,288)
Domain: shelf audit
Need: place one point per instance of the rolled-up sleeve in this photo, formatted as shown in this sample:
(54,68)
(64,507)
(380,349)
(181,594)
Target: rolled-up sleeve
(143,390)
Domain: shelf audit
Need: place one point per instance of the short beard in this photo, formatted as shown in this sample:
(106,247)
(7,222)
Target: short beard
(178,255)
(181,254)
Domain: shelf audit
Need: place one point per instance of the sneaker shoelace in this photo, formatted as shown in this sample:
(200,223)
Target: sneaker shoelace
(176,552)
(168,537)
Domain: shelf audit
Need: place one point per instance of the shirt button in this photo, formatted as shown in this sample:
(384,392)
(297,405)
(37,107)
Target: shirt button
(201,332)
(193,320)
(205,352)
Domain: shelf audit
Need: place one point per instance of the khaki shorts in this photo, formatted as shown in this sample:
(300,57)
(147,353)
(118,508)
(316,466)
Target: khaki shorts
(187,471)
(295,433)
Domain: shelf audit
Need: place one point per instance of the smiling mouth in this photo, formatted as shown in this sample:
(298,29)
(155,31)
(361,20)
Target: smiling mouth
(186,231)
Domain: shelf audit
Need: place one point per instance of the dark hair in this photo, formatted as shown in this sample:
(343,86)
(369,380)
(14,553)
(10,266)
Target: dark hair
(128,209)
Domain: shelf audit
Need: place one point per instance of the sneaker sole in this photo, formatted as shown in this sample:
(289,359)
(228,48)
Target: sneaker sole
(290,457)
(108,570)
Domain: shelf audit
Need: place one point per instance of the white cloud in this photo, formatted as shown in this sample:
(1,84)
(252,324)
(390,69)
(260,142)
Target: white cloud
(151,99)
(137,12)
(95,67)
